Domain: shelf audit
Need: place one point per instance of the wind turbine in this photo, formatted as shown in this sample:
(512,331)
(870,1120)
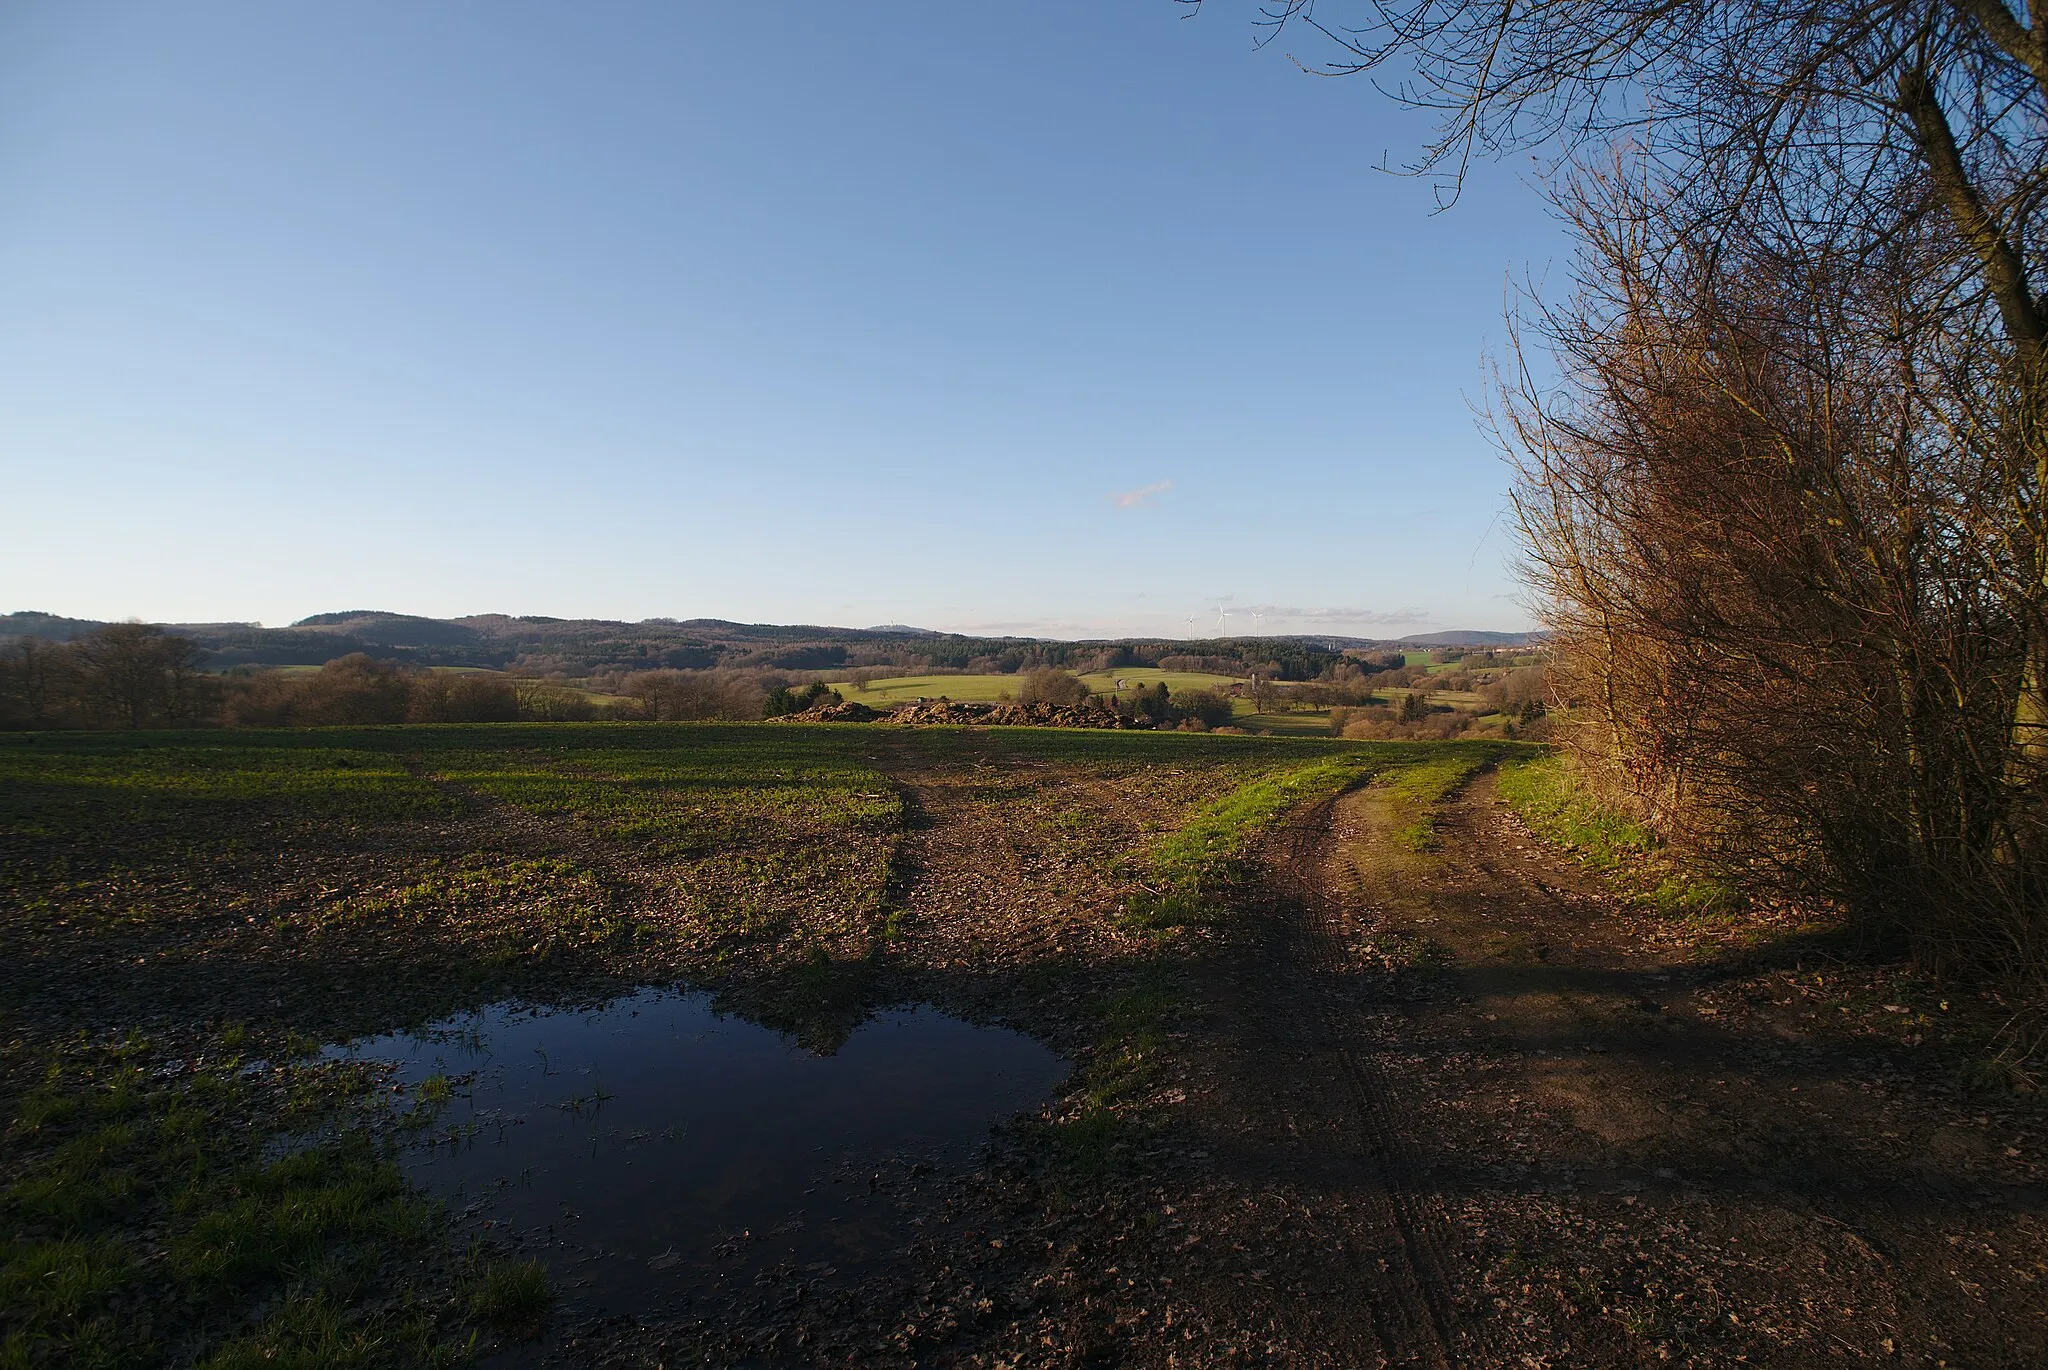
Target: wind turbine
(1222,621)
(1191,627)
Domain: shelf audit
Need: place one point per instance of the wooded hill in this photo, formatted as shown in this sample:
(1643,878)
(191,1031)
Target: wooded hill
(538,645)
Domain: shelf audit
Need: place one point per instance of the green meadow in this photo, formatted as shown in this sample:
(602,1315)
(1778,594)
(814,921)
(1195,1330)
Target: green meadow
(987,689)
(185,1177)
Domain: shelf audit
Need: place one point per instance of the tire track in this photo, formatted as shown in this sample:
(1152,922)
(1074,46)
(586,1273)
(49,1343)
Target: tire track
(1412,1219)
(1320,1165)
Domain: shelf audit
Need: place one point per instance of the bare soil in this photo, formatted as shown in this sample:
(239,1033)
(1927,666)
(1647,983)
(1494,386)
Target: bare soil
(1458,1107)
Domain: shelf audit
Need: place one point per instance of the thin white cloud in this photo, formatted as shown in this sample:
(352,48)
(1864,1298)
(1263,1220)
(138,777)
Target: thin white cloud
(1406,615)
(1131,499)
(1057,629)
(1278,620)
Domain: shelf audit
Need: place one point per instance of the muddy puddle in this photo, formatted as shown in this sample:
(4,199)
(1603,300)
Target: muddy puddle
(654,1152)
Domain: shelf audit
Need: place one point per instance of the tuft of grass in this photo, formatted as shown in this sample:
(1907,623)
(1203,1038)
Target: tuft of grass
(1090,1141)
(1421,788)
(1121,1071)
(319,1333)
(1550,799)
(1555,805)
(1696,898)
(2002,1073)
(144,1203)
(513,1296)
(1185,872)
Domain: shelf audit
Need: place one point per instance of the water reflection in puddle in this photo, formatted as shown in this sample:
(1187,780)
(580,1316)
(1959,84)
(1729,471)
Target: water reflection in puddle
(654,1149)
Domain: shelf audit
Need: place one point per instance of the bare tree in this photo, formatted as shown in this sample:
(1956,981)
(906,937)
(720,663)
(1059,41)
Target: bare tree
(1769,510)
(1050,685)
(136,673)
(711,694)
(461,697)
(1858,125)
(38,683)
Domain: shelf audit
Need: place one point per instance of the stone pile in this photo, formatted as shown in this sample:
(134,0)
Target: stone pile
(1089,715)
(927,712)
(931,712)
(852,711)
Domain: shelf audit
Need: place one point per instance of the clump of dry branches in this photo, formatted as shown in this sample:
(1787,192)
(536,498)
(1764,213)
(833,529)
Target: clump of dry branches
(1787,500)
(1774,510)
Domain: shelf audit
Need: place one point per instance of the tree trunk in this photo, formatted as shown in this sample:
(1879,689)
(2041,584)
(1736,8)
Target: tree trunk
(2020,313)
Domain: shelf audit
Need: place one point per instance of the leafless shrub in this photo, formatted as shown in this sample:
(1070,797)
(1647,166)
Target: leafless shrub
(1516,691)
(1051,686)
(352,689)
(863,676)
(699,695)
(39,685)
(1210,708)
(545,702)
(1778,514)
(462,697)
(357,691)
(1377,724)
(1790,504)
(132,675)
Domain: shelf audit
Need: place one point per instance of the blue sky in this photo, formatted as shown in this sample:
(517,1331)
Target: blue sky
(1061,318)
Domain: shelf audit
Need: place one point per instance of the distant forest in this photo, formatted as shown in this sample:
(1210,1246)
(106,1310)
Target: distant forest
(575,649)
(394,668)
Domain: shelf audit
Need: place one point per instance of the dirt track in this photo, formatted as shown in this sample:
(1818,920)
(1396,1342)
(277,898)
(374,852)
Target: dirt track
(1454,1108)
(1674,1155)
(1464,1108)
(1539,1141)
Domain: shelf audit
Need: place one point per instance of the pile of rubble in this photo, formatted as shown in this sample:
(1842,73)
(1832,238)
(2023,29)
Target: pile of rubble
(1089,715)
(852,711)
(928,712)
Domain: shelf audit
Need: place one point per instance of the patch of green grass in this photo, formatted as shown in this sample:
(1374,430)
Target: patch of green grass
(1091,1140)
(316,1332)
(1144,1007)
(987,689)
(1555,805)
(1290,723)
(1187,871)
(1694,898)
(142,1199)
(1420,789)
(1516,948)
(514,1296)
(2001,1073)
(1121,1070)
(1549,798)
(1104,682)
(1184,872)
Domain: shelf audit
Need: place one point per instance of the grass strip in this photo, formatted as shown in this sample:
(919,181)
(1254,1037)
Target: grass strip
(1186,873)
(1546,794)
(152,1205)
(1420,788)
